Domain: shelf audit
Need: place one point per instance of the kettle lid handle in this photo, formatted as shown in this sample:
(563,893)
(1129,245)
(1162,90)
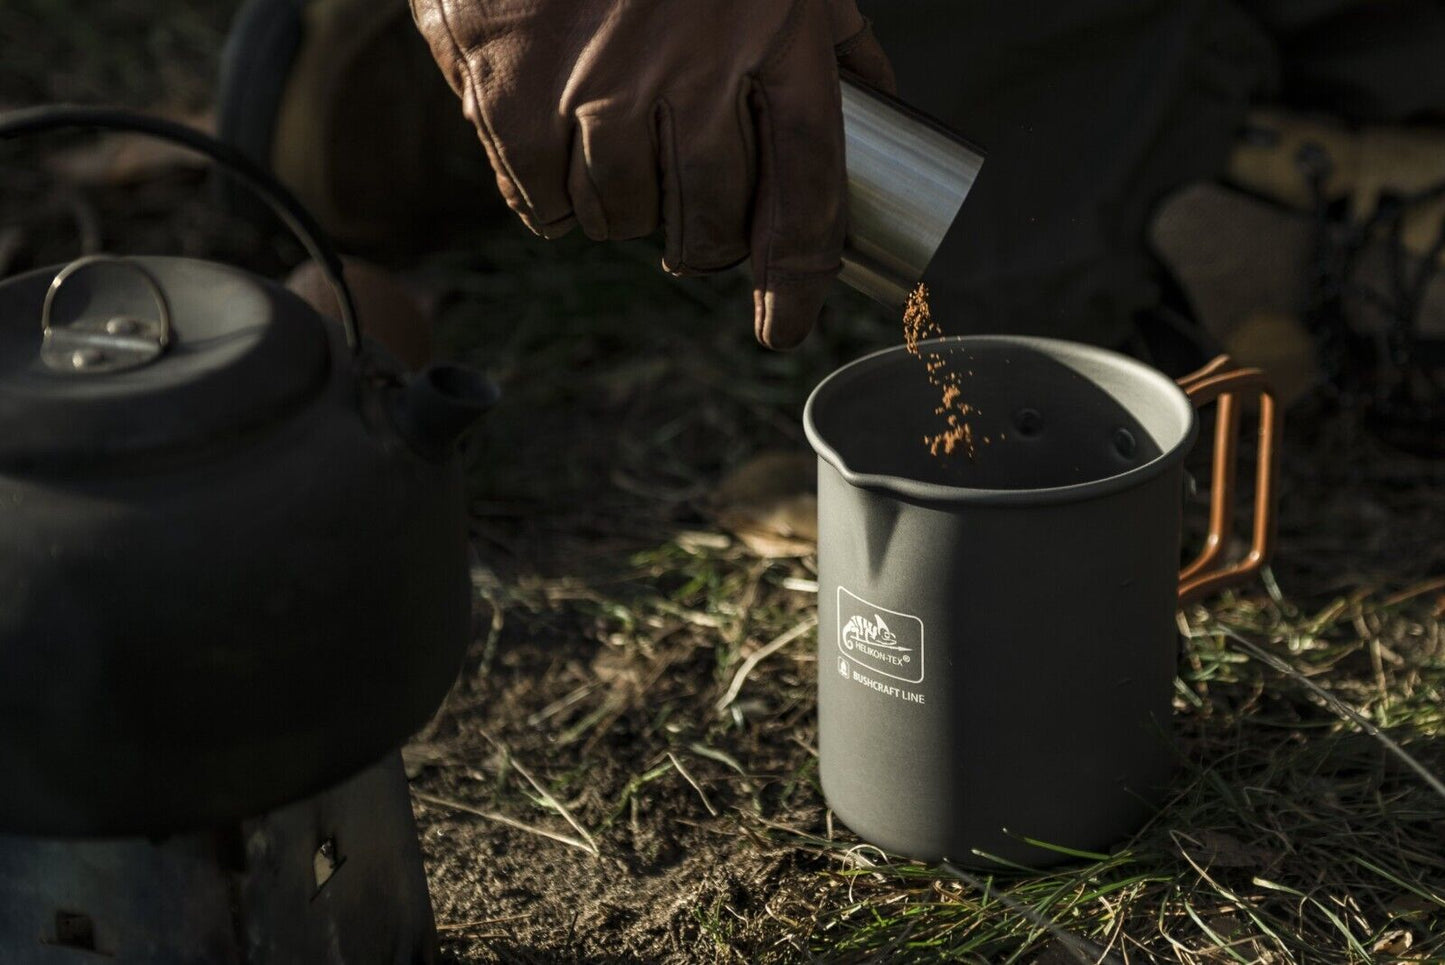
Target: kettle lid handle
(124,342)
(38,120)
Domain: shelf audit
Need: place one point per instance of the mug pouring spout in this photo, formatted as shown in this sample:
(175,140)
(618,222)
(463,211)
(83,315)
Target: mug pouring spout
(880,526)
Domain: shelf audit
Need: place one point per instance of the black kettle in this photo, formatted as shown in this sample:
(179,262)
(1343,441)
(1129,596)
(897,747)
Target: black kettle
(233,555)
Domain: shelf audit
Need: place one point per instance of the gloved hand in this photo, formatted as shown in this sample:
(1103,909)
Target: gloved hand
(718,119)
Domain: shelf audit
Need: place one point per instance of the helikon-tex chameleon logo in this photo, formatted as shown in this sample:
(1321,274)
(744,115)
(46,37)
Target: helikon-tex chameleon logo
(880,640)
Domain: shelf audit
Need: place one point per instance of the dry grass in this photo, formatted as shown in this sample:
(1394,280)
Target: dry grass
(1293,833)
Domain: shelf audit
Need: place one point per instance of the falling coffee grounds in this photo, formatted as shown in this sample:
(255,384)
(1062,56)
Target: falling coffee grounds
(918,325)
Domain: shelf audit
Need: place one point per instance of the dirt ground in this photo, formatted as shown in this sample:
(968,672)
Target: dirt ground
(616,615)
(626,769)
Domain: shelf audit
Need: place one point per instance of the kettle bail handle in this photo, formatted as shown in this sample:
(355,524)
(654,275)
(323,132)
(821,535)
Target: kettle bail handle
(39,120)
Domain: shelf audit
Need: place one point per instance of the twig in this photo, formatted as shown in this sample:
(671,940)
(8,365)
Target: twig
(557,706)
(695,786)
(590,848)
(1339,707)
(478,923)
(1414,591)
(759,656)
(546,795)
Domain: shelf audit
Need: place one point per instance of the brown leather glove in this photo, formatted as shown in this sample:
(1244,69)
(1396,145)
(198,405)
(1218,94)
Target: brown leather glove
(718,119)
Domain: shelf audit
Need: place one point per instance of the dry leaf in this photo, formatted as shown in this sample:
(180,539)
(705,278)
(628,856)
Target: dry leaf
(768,474)
(1396,941)
(786,527)
(386,307)
(695,541)
(1403,160)
(122,159)
(770,504)
(1279,343)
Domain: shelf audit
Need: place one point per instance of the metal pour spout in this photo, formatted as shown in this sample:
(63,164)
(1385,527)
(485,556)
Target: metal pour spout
(907,179)
(440,404)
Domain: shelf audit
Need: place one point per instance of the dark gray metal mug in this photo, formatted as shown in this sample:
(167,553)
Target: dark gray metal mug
(996,634)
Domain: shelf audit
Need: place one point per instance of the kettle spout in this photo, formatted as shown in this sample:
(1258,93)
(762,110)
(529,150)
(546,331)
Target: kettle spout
(440,404)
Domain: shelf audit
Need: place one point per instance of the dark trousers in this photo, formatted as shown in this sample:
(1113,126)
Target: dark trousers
(1092,110)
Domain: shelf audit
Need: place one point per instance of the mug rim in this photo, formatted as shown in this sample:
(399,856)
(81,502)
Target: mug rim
(1063,349)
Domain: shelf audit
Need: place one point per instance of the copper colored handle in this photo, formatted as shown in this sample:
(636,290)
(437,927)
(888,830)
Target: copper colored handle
(1220,381)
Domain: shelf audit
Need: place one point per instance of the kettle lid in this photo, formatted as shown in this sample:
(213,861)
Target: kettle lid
(109,357)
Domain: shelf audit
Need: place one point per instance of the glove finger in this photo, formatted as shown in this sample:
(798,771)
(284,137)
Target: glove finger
(613,180)
(862,55)
(523,199)
(845,18)
(797,237)
(857,48)
(539,175)
(532,167)
(708,168)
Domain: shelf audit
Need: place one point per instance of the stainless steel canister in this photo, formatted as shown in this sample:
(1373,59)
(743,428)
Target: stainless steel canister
(908,176)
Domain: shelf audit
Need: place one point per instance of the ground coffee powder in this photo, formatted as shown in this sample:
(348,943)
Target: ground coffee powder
(918,325)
